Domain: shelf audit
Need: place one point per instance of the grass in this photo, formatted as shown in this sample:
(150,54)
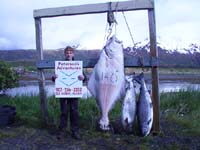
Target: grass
(28,108)
(29,112)
(182,107)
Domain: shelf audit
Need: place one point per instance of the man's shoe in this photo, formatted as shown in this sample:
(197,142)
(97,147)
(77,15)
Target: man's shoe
(76,136)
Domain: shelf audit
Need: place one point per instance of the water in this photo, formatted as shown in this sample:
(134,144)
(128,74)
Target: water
(169,86)
(175,87)
(33,90)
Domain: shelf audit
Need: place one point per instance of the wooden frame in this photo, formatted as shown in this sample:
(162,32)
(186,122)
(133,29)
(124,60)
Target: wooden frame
(102,8)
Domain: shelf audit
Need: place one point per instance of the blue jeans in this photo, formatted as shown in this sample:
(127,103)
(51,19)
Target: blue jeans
(69,105)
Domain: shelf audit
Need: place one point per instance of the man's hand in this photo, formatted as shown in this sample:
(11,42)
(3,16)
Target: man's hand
(81,77)
(53,78)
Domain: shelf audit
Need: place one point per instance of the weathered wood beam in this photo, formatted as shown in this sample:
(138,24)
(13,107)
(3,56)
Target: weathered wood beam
(41,76)
(93,8)
(90,63)
(154,72)
(128,62)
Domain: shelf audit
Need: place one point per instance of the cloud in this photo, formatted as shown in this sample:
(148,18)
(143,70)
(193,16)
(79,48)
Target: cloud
(176,20)
(18,27)
(17,24)
(5,43)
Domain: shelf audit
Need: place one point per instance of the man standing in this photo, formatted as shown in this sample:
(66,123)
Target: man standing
(69,104)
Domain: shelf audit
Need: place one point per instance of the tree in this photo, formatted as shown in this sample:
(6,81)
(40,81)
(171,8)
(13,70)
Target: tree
(8,77)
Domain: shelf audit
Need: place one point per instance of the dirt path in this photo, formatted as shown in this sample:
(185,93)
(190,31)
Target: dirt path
(21,137)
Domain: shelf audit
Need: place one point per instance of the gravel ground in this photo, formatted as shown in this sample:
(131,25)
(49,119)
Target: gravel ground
(23,138)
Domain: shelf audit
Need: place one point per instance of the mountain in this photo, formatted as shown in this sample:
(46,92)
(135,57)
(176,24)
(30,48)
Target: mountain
(145,45)
(189,57)
(166,58)
(28,55)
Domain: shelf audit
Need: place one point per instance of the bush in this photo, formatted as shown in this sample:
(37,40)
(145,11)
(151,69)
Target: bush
(8,77)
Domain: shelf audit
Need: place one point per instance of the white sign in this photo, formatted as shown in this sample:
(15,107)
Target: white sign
(67,83)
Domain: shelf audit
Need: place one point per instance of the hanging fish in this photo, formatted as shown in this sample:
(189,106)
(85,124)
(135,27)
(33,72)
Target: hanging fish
(144,107)
(129,105)
(106,82)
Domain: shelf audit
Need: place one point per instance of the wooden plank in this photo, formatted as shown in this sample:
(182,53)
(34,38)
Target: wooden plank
(154,72)
(38,33)
(43,96)
(90,63)
(39,47)
(93,8)
(128,62)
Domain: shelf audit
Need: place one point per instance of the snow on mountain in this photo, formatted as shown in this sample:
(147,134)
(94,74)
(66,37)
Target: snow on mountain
(145,45)
(193,48)
(190,49)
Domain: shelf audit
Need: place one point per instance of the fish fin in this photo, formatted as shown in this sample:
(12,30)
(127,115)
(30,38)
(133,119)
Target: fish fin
(141,75)
(127,125)
(126,120)
(149,121)
(151,105)
(127,84)
(139,78)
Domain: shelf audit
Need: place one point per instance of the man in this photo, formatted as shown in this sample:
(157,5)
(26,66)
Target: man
(69,104)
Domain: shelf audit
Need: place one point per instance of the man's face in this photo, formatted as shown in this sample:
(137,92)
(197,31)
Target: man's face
(69,55)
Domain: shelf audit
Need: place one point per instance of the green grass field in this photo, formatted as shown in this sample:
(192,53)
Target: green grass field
(182,107)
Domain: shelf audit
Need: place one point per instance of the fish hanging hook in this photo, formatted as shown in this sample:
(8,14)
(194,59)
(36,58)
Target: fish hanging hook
(109,31)
(110,19)
(110,15)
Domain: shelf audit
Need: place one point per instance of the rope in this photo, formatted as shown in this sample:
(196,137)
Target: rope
(141,59)
(128,28)
(109,31)
(116,17)
(105,34)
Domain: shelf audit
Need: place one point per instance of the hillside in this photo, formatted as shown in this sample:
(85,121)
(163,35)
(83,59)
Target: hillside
(167,58)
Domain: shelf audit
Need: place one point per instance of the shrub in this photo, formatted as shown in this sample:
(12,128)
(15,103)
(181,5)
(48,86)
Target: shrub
(8,77)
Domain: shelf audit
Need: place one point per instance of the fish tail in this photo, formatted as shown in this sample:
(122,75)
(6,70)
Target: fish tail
(139,78)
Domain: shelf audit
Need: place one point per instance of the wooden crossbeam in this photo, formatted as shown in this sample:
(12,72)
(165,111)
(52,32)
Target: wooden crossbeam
(90,63)
(93,8)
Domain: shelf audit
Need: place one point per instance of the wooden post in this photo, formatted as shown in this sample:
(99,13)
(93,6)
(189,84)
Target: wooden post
(39,47)
(154,72)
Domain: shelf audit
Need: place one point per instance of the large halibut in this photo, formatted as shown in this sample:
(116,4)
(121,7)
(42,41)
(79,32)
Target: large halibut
(107,80)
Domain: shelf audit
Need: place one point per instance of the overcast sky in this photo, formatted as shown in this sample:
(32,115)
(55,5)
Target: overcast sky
(177,25)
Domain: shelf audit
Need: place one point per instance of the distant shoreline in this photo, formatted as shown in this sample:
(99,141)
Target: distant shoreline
(32,78)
